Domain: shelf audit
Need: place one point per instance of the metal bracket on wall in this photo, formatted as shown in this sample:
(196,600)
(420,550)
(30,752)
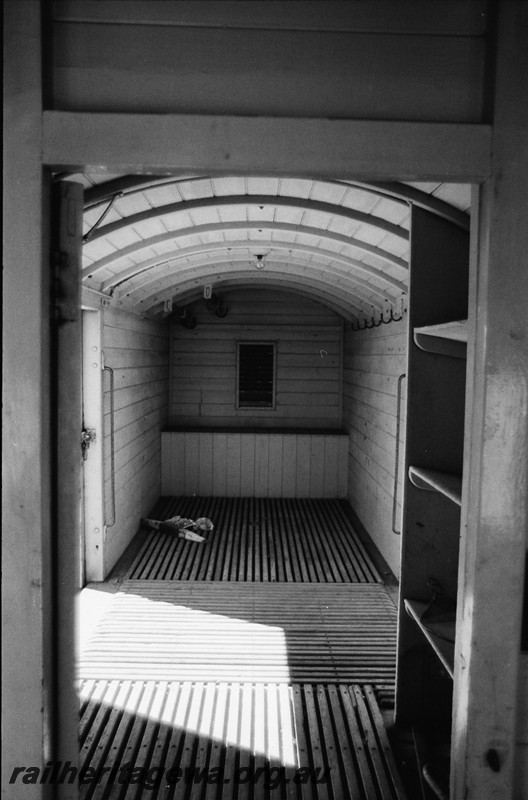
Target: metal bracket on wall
(397,456)
(112,446)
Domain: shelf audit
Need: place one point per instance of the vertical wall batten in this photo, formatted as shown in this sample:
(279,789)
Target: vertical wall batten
(137,351)
(67,345)
(231,464)
(373,361)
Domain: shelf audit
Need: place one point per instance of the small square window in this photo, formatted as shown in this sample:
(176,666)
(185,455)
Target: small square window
(255,375)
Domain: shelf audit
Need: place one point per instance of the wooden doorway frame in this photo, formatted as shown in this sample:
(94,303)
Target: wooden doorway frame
(497,444)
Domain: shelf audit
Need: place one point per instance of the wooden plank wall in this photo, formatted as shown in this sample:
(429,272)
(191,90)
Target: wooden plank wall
(138,352)
(322,59)
(224,464)
(373,360)
(308,368)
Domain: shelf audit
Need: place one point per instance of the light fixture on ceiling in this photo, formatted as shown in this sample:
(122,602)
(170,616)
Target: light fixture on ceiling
(260,263)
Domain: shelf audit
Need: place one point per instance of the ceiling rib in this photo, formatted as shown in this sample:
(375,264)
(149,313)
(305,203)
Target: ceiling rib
(201,274)
(337,304)
(276,201)
(415,197)
(344,305)
(130,184)
(223,234)
(224,228)
(170,260)
(401,192)
(325,270)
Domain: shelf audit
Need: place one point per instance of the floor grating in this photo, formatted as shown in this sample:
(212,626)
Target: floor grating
(258,539)
(167,630)
(254,666)
(256,741)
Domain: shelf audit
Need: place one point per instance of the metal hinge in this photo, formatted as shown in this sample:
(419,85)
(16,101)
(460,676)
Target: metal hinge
(87,436)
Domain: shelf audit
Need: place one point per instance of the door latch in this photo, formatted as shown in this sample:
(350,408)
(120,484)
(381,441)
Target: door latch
(87,436)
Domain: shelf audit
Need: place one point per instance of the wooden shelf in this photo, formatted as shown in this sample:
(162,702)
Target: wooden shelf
(448,339)
(437,632)
(434,481)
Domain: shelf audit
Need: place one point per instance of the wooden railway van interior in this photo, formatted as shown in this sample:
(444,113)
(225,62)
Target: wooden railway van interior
(266,263)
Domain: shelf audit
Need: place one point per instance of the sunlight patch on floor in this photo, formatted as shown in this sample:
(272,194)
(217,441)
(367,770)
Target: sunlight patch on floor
(257,719)
(155,640)
(216,676)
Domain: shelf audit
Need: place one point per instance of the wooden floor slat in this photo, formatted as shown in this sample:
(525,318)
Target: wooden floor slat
(260,540)
(213,738)
(239,631)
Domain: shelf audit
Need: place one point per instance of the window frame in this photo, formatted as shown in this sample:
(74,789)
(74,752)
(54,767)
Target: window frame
(256,408)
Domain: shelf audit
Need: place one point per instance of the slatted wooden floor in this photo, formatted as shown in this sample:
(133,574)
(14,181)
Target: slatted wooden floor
(271,647)
(257,539)
(220,741)
(203,631)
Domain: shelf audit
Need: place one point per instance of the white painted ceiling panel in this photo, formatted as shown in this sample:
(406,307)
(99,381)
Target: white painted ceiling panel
(133,204)
(398,213)
(393,244)
(292,216)
(231,213)
(177,220)
(457,194)
(204,216)
(162,195)
(260,214)
(241,235)
(361,201)
(328,192)
(123,237)
(154,226)
(346,242)
(100,248)
(162,248)
(228,186)
(293,187)
(194,190)
(262,186)
(369,234)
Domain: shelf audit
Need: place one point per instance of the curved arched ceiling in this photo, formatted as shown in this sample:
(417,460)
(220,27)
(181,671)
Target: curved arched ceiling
(152,242)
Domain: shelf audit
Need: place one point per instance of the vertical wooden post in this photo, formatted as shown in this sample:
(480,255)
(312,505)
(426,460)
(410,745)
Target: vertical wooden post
(26,521)
(495,506)
(67,342)
(93,495)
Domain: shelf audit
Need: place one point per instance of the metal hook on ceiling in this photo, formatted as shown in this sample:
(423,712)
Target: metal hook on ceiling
(215,304)
(367,324)
(359,326)
(396,319)
(390,319)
